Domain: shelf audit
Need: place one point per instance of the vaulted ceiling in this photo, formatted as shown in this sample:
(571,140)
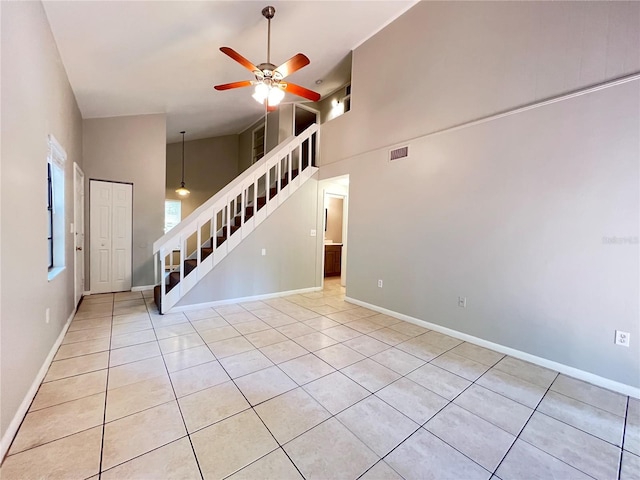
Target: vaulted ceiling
(141,57)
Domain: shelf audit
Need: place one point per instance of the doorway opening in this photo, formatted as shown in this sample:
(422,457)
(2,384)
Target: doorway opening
(335,222)
(303,118)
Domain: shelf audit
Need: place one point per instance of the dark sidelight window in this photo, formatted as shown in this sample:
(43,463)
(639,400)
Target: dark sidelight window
(50,213)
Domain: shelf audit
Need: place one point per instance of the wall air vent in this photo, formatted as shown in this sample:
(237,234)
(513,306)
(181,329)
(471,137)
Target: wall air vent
(398,153)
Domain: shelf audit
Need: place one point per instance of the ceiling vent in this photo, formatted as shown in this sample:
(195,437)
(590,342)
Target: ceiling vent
(398,153)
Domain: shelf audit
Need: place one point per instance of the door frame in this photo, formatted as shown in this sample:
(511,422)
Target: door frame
(78,234)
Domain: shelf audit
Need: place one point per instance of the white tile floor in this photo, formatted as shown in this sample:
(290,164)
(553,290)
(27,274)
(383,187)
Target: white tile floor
(307,386)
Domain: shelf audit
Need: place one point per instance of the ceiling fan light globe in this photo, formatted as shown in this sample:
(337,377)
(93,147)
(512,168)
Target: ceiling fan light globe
(275,96)
(261,92)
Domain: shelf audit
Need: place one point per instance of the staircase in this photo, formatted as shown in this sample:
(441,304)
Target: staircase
(215,228)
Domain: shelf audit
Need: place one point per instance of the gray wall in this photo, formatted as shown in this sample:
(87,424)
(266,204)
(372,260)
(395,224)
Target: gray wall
(510,213)
(273,131)
(285,122)
(449,62)
(334,219)
(290,262)
(36,101)
(210,164)
(130,149)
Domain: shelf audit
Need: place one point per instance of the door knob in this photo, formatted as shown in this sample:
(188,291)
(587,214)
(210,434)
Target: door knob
(78,248)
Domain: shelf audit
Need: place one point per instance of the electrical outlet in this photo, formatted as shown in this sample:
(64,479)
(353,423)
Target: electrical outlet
(313,233)
(264,252)
(622,338)
(462,302)
(379,283)
(47,316)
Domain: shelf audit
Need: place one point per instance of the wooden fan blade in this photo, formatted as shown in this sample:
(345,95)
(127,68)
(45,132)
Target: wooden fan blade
(229,86)
(239,58)
(294,64)
(302,92)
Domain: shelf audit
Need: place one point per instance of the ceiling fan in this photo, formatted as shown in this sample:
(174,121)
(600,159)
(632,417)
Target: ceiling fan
(269,82)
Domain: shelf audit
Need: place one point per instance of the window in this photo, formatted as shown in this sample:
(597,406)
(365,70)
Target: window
(172,214)
(50,213)
(56,238)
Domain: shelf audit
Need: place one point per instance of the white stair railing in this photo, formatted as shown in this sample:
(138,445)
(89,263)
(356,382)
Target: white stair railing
(220,224)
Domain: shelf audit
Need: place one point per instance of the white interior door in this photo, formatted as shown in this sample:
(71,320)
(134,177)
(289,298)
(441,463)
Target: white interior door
(121,236)
(111,209)
(78,233)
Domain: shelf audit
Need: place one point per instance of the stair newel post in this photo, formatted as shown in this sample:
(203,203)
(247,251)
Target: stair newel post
(160,265)
(163,285)
(156,260)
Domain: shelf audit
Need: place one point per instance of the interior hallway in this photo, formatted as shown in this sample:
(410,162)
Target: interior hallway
(306,386)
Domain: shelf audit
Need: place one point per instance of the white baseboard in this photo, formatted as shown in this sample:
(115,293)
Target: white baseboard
(267,296)
(142,288)
(8,436)
(543,362)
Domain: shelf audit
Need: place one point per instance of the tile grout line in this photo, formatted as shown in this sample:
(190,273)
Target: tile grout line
(422,426)
(143,410)
(624,432)
(106,393)
(542,413)
(188,435)
(251,407)
(534,410)
(370,393)
(332,415)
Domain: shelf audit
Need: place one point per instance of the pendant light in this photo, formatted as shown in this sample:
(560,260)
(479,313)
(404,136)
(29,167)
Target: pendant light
(182,191)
